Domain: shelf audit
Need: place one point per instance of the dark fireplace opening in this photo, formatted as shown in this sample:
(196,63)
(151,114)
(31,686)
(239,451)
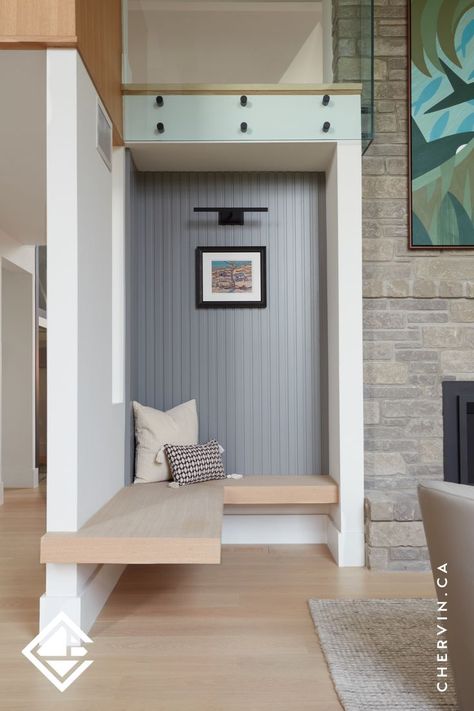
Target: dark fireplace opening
(458,431)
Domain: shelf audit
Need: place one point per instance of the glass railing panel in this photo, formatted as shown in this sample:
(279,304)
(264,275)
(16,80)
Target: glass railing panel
(353,54)
(189,42)
(219,115)
(271,43)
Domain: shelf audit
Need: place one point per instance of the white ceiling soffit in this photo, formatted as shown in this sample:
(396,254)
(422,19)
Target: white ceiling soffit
(232,157)
(23,145)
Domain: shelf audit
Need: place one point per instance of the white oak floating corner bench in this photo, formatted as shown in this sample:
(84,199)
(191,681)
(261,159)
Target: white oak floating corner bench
(153,523)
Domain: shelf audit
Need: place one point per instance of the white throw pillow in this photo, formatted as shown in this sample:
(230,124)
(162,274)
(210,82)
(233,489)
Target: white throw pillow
(154,429)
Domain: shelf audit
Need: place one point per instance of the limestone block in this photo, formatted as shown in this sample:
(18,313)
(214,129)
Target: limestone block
(466,334)
(398,288)
(376,558)
(423,427)
(378,507)
(378,351)
(380,70)
(417,354)
(453,362)
(373,166)
(441,336)
(387,186)
(462,311)
(444,269)
(419,305)
(380,250)
(407,508)
(389,46)
(385,107)
(452,288)
(390,90)
(384,319)
(384,463)
(386,123)
(431,451)
(407,408)
(396,533)
(397,166)
(427,317)
(372,229)
(385,373)
(403,553)
(371,412)
(385,209)
(425,288)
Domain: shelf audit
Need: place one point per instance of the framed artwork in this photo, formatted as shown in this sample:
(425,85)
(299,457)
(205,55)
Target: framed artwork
(441,134)
(231,277)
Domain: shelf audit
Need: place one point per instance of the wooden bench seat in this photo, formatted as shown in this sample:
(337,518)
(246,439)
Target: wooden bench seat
(271,489)
(153,523)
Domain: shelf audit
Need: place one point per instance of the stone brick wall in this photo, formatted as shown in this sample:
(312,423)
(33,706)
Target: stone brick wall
(418,306)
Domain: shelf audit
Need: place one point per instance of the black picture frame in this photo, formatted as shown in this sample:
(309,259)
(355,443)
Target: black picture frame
(203,303)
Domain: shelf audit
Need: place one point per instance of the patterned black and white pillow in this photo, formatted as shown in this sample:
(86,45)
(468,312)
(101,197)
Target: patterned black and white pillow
(193,463)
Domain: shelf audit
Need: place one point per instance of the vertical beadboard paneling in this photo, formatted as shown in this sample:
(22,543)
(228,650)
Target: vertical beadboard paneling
(255,373)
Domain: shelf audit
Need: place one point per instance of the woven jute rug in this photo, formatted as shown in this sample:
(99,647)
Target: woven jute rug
(382,654)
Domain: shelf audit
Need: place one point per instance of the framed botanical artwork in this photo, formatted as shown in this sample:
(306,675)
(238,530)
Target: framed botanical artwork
(441,165)
(231,277)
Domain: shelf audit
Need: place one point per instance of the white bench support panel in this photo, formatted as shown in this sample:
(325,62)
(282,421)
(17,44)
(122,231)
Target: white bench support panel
(146,523)
(153,523)
(271,489)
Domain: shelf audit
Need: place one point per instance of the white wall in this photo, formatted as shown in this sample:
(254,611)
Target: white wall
(18,381)
(23,145)
(18,456)
(85,428)
(225,42)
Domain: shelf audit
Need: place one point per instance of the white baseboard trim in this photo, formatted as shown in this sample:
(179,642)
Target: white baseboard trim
(347,548)
(21,478)
(84,608)
(274,529)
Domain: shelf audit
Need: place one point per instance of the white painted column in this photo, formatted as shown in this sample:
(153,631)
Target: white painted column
(86,421)
(345,352)
(63,279)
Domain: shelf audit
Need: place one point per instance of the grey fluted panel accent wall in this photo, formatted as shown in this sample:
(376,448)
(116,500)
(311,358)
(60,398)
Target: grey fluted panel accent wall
(255,373)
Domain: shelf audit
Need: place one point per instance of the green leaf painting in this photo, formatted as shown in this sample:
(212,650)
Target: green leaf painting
(442,123)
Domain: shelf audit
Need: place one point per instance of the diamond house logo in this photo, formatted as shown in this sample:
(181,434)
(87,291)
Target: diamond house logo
(58,652)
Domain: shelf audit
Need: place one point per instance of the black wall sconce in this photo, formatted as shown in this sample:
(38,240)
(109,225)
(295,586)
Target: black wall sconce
(326,126)
(243,127)
(243,101)
(326,99)
(160,127)
(231,215)
(160,101)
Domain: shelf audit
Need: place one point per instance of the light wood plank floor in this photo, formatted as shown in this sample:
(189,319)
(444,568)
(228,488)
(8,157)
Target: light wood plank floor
(234,637)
